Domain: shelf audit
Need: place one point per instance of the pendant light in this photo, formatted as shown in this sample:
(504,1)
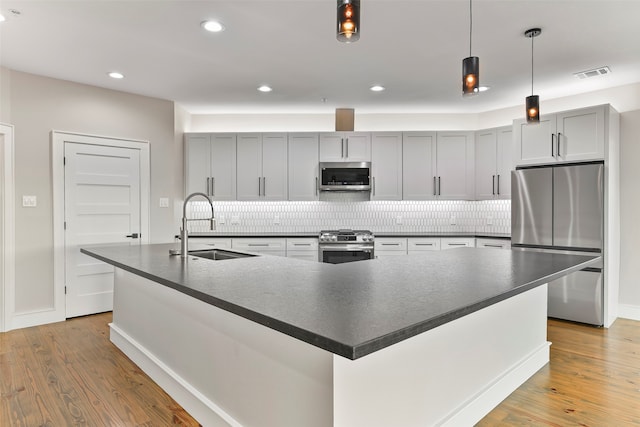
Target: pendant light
(470,66)
(533,101)
(348,21)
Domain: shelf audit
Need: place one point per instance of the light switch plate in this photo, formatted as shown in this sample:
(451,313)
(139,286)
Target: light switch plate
(29,201)
(164,202)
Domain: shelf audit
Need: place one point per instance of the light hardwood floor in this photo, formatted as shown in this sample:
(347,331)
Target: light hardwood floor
(69,373)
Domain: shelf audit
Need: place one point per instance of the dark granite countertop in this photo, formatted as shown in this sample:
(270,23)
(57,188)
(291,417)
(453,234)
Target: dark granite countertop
(351,309)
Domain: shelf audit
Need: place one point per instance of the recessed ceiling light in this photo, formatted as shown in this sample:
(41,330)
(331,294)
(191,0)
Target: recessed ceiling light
(116,75)
(376,88)
(484,88)
(265,88)
(212,26)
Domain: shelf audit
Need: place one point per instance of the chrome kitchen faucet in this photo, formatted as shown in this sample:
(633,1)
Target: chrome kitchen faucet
(184,233)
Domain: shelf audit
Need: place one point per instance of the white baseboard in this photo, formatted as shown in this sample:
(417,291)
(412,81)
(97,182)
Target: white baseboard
(485,401)
(35,318)
(198,406)
(629,311)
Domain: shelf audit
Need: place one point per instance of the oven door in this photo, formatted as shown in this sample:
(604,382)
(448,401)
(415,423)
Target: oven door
(338,254)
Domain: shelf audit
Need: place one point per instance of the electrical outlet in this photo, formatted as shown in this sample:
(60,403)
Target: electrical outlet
(29,201)
(398,220)
(164,202)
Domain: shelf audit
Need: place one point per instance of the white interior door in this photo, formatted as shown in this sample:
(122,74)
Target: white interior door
(102,207)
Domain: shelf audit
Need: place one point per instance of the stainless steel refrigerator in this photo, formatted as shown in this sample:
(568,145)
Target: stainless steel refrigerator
(560,208)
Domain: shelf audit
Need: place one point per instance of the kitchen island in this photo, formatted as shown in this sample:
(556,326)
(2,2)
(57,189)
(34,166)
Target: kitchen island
(269,341)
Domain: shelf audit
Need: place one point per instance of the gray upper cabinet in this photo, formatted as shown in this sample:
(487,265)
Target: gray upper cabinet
(455,161)
(419,165)
(345,147)
(303,166)
(493,163)
(262,166)
(570,136)
(386,165)
(210,165)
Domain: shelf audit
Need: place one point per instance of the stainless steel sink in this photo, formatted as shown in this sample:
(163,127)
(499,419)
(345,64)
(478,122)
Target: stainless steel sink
(218,254)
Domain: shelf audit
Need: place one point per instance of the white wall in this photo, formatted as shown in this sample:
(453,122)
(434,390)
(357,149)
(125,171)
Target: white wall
(37,105)
(630,212)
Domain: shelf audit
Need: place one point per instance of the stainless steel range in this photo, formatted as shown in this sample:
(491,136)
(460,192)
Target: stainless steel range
(338,246)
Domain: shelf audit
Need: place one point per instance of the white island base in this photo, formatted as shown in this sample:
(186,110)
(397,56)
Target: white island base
(228,371)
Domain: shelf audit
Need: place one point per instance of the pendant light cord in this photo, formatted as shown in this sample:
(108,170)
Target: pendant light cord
(532,65)
(470,25)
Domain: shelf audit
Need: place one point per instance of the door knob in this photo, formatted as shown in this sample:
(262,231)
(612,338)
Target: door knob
(133,236)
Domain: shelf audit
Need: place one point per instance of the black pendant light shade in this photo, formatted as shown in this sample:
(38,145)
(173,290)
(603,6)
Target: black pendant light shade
(533,109)
(532,102)
(470,65)
(470,75)
(348,21)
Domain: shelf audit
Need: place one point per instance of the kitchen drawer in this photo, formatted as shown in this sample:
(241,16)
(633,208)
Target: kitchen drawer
(269,245)
(418,244)
(302,244)
(457,242)
(214,242)
(386,244)
(304,255)
(493,243)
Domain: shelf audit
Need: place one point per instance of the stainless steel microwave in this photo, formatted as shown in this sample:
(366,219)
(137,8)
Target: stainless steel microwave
(345,176)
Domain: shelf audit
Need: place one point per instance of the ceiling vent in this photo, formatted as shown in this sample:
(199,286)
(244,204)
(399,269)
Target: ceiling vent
(600,71)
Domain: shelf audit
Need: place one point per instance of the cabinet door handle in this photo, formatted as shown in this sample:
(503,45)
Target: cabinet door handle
(302,244)
(390,244)
(342,147)
(264,186)
(488,245)
(208,187)
(258,244)
(347,150)
(456,244)
(316,185)
(374,185)
(552,144)
(213,186)
(424,244)
(259,186)
(133,235)
(558,147)
(439,187)
(498,192)
(493,185)
(435,191)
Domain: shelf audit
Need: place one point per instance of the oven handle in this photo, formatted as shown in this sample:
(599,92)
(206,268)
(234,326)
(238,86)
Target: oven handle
(349,248)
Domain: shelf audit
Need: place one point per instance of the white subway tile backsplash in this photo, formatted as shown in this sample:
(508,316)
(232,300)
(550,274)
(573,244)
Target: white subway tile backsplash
(486,216)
